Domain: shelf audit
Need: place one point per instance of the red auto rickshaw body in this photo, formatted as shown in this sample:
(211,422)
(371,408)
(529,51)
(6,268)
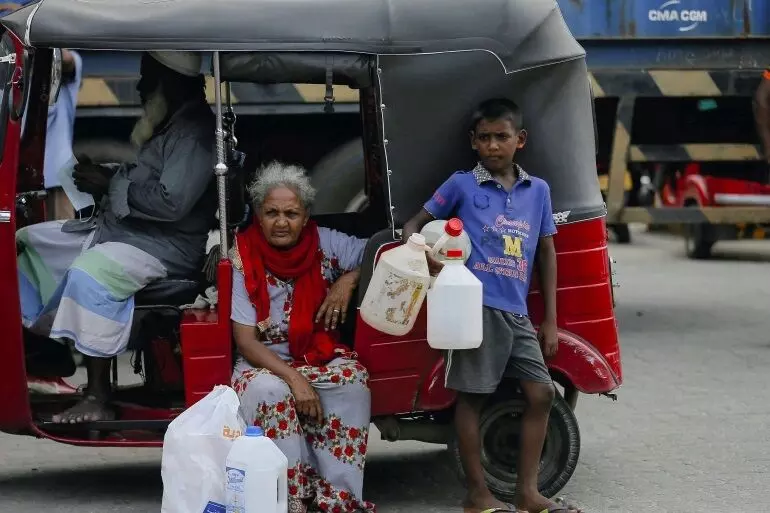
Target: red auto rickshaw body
(409,399)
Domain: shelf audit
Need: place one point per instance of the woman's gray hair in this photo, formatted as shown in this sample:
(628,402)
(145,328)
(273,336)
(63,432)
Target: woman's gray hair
(276,175)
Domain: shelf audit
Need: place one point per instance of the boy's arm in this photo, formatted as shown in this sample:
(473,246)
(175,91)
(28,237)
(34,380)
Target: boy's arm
(415,224)
(546,269)
(439,206)
(546,266)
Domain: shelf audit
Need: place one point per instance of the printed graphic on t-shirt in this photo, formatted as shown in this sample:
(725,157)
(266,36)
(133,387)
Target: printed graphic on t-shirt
(507,238)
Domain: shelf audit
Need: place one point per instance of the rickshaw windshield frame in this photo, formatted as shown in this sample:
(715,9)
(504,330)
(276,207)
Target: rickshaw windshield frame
(7,66)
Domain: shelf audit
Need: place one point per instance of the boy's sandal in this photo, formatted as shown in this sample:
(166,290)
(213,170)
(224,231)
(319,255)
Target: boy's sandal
(560,507)
(509,508)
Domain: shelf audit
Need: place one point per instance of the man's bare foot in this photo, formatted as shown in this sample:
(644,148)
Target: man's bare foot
(89,409)
(539,504)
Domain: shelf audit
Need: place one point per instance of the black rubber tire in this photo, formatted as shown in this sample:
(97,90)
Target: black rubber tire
(105,151)
(699,239)
(338,178)
(622,233)
(560,452)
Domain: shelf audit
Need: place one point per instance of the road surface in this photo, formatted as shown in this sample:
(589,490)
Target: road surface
(690,431)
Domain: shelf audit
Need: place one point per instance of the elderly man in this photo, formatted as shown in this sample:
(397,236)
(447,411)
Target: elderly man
(78,278)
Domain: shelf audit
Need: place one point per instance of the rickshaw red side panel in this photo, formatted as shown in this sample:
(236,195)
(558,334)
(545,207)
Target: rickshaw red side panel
(15,413)
(577,362)
(584,291)
(407,375)
(207,342)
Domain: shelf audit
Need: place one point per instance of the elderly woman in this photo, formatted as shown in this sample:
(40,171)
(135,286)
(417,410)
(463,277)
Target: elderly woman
(291,288)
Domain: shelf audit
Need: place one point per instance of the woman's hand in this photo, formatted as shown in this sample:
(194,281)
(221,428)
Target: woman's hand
(306,399)
(335,307)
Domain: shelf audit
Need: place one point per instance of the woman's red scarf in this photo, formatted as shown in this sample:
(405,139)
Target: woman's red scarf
(308,341)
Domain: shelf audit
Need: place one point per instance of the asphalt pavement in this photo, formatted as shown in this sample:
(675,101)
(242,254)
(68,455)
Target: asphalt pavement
(690,430)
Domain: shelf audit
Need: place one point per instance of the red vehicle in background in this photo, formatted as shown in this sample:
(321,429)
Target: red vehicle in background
(416,87)
(736,184)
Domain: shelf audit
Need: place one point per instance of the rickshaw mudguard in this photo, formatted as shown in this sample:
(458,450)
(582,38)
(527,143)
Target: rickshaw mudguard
(577,363)
(15,415)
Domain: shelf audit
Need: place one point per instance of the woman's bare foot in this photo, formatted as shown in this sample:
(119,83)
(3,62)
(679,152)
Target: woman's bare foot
(89,409)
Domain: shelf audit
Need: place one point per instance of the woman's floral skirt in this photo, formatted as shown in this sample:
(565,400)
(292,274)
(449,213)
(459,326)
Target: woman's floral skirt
(326,462)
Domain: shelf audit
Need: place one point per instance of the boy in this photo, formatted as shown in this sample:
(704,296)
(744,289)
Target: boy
(507,214)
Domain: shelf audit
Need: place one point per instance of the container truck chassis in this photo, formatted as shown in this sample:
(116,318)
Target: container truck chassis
(663,105)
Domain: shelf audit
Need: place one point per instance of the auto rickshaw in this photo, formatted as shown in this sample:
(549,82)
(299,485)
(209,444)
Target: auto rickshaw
(419,69)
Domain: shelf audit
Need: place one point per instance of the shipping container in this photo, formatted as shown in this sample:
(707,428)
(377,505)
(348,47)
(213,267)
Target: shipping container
(601,19)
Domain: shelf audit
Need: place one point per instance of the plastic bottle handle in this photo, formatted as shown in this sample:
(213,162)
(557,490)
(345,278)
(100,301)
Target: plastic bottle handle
(283,492)
(439,244)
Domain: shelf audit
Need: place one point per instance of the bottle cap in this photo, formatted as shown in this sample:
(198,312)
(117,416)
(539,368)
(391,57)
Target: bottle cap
(254,431)
(454,253)
(454,227)
(417,239)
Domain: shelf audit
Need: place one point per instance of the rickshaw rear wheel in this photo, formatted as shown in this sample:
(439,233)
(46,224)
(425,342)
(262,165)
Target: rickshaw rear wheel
(499,427)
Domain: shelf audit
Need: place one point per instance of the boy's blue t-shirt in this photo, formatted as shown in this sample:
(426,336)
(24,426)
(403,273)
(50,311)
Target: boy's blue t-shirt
(504,229)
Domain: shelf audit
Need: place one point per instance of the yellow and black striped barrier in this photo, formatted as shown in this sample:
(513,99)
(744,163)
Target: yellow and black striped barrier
(115,92)
(684,83)
(625,85)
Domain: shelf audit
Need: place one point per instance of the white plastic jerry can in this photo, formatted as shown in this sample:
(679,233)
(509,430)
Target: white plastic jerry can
(397,289)
(445,235)
(256,475)
(455,305)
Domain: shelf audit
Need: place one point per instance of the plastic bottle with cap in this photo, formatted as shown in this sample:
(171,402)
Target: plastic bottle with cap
(455,306)
(397,289)
(256,479)
(445,235)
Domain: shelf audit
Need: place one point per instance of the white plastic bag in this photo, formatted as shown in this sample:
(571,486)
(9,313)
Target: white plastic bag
(194,452)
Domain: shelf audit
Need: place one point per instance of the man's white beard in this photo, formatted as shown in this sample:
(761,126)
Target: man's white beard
(153,112)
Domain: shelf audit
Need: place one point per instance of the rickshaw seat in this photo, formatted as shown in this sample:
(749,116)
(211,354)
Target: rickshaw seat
(170,292)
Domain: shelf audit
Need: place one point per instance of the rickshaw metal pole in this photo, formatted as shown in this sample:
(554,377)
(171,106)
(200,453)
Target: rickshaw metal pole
(220,170)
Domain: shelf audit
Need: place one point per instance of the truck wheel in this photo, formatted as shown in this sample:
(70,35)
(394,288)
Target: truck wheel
(499,427)
(699,239)
(622,233)
(104,151)
(339,180)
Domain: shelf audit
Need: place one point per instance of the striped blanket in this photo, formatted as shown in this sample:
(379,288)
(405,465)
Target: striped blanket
(73,290)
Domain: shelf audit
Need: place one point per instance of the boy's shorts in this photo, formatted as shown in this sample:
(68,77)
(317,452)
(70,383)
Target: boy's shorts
(509,348)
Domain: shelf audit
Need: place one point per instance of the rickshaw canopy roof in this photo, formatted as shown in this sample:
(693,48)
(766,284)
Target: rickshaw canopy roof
(503,27)
(434,59)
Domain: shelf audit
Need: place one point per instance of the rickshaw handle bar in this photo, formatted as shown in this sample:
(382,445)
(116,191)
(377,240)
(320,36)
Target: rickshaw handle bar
(220,170)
